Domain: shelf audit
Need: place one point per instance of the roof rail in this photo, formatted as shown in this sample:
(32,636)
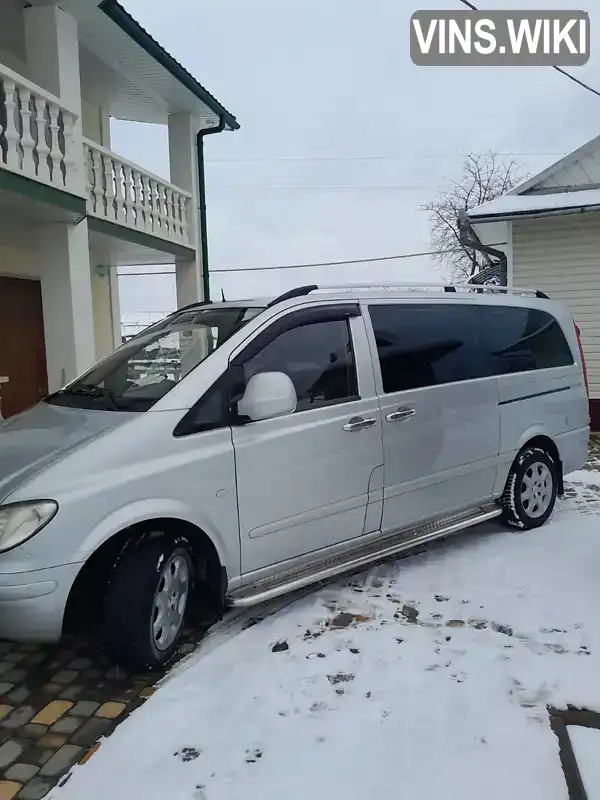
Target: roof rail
(301,291)
(197,304)
(416,286)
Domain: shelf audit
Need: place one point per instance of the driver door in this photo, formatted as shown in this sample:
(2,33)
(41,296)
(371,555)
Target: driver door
(303,479)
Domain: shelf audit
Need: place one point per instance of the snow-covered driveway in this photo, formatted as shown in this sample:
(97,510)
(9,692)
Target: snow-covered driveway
(424,678)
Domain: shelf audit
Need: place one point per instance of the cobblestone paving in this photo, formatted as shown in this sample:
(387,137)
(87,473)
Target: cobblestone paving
(55,703)
(594,458)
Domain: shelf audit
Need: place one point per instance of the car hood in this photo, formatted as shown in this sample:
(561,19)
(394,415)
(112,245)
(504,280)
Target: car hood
(31,441)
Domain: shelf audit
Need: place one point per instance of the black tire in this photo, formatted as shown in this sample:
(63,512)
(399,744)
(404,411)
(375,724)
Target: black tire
(128,633)
(529,465)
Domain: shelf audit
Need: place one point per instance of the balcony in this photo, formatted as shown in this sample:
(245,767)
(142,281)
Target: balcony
(36,136)
(39,140)
(124,193)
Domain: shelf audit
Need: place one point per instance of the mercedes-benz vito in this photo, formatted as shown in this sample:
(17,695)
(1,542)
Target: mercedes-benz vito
(235,451)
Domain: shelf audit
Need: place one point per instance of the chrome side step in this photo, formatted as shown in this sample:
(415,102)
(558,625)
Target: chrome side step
(294,579)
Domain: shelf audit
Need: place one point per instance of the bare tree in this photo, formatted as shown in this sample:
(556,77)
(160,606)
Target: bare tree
(483,177)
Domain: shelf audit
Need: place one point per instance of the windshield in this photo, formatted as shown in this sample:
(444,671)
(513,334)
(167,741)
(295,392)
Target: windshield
(145,368)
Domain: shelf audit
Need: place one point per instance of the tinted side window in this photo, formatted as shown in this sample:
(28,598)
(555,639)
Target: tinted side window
(520,339)
(426,345)
(319,359)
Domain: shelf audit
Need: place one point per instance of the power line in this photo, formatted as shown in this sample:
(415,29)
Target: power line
(138,274)
(557,69)
(334,187)
(382,157)
(299,266)
(576,80)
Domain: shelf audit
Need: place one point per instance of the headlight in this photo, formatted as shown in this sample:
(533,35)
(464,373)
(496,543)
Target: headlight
(21,521)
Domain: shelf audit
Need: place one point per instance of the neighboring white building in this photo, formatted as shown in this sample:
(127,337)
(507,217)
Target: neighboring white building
(549,228)
(71,209)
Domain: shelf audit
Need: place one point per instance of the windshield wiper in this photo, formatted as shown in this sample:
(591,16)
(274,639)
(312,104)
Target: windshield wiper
(87,390)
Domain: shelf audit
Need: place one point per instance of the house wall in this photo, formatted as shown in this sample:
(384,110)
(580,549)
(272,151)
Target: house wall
(91,121)
(561,256)
(12,36)
(18,262)
(12,61)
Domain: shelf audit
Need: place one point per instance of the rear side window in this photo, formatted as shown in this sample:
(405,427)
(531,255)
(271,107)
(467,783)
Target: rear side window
(426,345)
(521,339)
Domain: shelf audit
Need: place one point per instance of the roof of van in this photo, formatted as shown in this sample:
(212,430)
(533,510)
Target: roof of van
(303,294)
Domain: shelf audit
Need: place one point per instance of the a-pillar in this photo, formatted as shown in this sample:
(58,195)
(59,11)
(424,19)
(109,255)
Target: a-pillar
(183,159)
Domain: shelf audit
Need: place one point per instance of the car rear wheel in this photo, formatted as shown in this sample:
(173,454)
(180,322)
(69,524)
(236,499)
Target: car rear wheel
(146,604)
(531,489)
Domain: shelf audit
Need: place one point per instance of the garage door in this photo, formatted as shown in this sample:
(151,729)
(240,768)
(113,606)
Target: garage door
(22,346)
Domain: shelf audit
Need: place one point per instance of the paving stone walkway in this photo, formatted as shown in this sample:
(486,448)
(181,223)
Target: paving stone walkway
(55,704)
(594,450)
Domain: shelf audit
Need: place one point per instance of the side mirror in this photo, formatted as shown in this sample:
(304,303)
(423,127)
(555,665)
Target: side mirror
(268,395)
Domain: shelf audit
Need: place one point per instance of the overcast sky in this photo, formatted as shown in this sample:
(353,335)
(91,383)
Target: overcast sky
(327,98)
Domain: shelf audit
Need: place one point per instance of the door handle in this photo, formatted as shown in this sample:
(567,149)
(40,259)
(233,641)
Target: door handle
(401,415)
(359,424)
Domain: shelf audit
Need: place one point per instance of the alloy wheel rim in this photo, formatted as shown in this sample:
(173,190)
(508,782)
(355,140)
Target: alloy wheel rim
(170,601)
(536,490)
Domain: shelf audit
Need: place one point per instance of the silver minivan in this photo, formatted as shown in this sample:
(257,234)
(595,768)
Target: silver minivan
(236,451)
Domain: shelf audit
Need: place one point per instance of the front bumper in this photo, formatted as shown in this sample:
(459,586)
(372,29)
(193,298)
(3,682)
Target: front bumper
(32,604)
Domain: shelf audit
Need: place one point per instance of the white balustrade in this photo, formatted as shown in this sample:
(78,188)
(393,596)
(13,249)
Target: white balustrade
(36,133)
(125,193)
(37,140)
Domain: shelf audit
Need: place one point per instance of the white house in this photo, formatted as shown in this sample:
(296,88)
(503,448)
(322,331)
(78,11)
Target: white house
(549,229)
(71,209)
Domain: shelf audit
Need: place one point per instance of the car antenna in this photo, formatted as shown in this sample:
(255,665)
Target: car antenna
(223,296)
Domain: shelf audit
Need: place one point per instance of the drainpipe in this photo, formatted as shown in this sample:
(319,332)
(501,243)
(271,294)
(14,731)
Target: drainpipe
(202,198)
(469,239)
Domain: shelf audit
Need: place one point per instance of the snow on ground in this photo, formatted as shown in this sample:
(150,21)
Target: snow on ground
(344,693)
(586,477)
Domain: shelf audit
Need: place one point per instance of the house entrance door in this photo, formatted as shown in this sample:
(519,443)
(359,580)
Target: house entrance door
(23,376)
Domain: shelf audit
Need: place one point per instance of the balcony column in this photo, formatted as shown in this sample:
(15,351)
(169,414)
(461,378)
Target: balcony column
(63,254)
(105,128)
(52,48)
(107,313)
(184,173)
(115,306)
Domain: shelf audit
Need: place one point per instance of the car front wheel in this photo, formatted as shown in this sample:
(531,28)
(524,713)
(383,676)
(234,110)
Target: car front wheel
(146,604)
